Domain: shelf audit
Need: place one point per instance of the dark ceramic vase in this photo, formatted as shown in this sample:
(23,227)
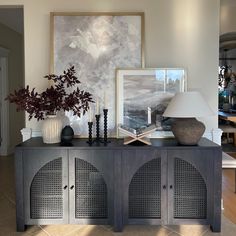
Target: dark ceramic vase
(187,131)
(67,134)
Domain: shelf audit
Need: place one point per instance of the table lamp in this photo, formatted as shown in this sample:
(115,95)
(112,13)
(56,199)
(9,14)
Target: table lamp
(185,107)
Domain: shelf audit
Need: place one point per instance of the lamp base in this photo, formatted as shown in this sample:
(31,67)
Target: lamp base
(187,131)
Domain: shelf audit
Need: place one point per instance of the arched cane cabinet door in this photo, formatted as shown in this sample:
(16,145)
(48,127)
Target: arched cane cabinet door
(46,186)
(91,181)
(90,191)
(187,189)
(145,191)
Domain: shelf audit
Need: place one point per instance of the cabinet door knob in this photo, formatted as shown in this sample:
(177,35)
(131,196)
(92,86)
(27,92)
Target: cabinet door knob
(72,186)
(65,187)
(164,187)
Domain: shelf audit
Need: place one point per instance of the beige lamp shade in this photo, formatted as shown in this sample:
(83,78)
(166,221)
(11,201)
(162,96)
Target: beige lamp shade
(188,105)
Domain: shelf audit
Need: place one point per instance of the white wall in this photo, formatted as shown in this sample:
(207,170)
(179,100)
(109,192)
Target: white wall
(178,33)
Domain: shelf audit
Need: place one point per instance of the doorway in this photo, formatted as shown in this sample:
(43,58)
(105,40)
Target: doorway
(11,75)
(227,91)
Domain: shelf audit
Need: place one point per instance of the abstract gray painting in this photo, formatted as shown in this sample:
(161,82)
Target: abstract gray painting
(96,45)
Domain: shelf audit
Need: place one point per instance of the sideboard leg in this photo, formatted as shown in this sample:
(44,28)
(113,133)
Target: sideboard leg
(20,226)
(216,228)
(118,228)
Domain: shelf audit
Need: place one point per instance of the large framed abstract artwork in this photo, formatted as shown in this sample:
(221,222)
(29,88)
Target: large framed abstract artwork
(143,95)
(96,44)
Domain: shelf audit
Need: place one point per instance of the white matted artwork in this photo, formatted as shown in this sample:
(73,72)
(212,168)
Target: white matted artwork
(143,95)
(96,44)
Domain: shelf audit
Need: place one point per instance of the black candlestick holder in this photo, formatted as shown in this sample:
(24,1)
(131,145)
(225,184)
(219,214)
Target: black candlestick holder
(90,133)
(105,112)
(98,139)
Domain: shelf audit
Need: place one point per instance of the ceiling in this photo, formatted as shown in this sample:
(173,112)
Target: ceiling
(13,18)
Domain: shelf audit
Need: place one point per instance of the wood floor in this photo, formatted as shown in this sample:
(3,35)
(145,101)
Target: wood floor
(229,196)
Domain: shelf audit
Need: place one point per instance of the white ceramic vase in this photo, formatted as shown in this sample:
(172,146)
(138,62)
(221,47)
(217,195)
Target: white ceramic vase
(51,129)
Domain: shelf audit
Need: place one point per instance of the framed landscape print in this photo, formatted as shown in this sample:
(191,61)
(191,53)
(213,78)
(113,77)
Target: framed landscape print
(143,95)
(96,44)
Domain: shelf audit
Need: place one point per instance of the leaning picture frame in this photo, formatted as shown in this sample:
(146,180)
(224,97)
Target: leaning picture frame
(142,96)
(96,43)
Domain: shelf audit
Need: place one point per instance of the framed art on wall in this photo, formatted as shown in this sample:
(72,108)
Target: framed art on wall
(143,95)
(96,44)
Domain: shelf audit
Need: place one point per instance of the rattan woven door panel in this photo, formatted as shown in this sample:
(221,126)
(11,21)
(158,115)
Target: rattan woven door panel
(188,186)
(91,186)
(45,186)
(46,193)
(90,191)
(145,191)
(190,192)
(143,180)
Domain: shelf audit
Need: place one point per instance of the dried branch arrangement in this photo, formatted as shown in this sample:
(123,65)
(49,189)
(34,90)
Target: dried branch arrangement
(53,99)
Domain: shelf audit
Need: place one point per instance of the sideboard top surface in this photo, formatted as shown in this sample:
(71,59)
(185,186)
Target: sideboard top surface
(171,143)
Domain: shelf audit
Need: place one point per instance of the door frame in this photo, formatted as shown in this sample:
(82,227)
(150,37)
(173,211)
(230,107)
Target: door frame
(4,105)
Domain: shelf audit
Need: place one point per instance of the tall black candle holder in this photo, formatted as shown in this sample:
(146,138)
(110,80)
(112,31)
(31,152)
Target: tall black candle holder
(98,139)
(90,133)
(105,112)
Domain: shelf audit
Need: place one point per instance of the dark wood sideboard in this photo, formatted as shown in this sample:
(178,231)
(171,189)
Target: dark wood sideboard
(118,185)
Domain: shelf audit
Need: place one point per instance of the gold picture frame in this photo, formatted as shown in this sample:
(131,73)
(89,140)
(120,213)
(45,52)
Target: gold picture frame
(97,43)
